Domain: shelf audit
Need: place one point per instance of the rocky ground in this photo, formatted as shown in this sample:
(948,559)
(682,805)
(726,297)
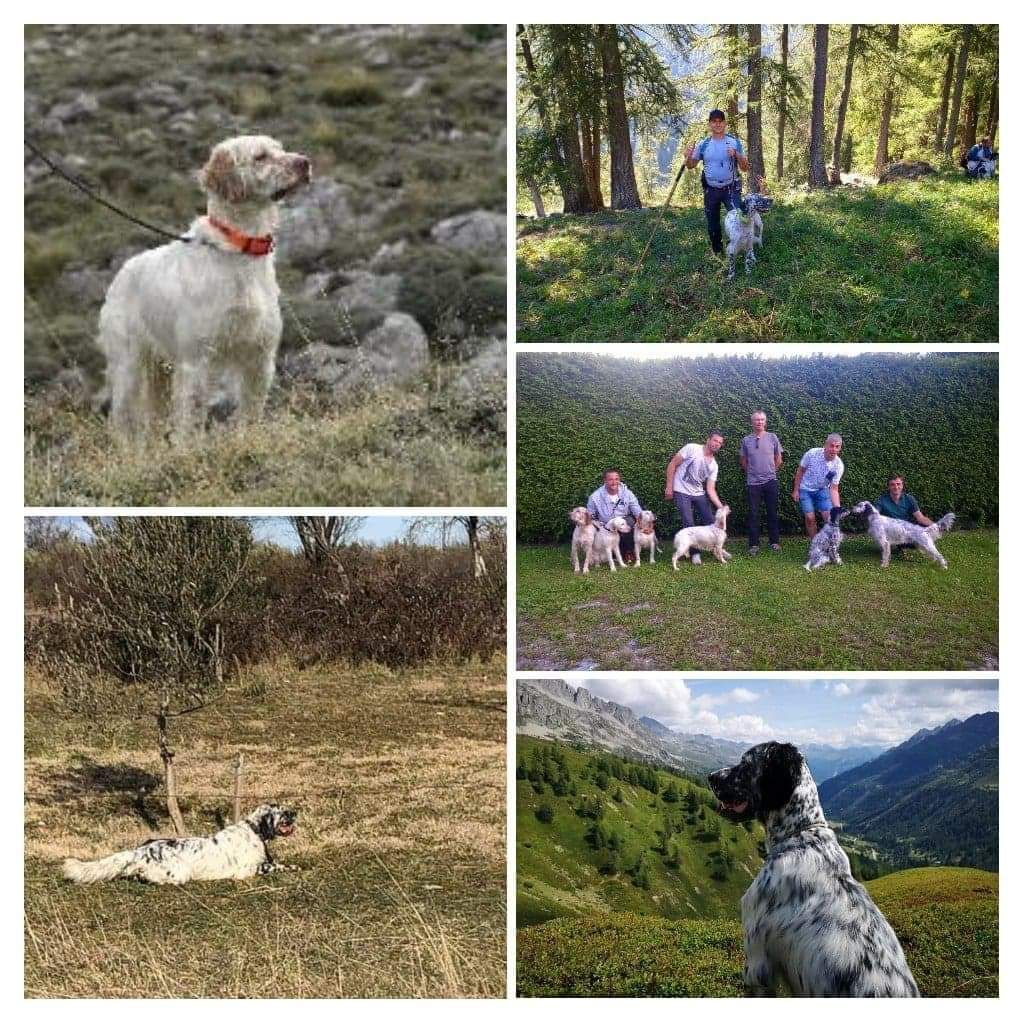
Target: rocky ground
(391,263)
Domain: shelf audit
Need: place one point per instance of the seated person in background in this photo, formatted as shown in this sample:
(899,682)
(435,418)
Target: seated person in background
(896,503)
(981,159)
(612,499)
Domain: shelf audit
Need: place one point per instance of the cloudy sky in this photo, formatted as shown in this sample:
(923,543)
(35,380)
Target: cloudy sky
(840,713)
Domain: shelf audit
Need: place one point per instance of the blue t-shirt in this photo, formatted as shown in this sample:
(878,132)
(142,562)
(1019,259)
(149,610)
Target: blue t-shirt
(719,167)
(979,152)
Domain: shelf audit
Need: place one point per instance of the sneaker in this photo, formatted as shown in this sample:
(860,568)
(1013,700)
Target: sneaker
(629,559)
(753,549)
(776,547)
(695,559)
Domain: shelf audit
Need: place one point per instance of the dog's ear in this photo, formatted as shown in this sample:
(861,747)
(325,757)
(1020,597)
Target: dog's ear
(268,825)
(779,777)
(220,176)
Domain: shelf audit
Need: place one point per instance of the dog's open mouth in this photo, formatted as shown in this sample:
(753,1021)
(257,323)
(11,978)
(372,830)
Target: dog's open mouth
(285,829)
(737,808)
(281,193)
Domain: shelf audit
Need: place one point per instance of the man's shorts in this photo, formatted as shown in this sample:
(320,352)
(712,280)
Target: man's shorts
(815,501)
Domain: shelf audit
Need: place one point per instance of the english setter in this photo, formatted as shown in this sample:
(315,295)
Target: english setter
(702,538)
(886,532)
(825,543)
(644,536)
(582,538)
(806,920)
(206,309)
(744,235)
(606,542)
(236,852)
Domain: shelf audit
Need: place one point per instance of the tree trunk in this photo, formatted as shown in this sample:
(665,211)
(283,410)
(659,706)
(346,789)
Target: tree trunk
(170,782)
(755,146)
(732,106)
(784,60)
(971,118)
(472,528)
(816,175)
(992,121)
(536,195)
(576,191)
(236,803)
(882,149)
(958,89)
(625,195)
(947,84)
(570,197)
(590,147)
(844,99)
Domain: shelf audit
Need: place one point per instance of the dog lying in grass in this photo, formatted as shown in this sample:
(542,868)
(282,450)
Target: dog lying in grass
(702,538)
(644,536)
(886,532)
(236,852)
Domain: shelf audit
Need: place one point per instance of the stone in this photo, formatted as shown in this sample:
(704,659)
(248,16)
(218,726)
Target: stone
(479,230)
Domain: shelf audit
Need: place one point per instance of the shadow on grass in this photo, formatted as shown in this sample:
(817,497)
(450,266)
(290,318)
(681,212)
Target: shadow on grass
(917,261)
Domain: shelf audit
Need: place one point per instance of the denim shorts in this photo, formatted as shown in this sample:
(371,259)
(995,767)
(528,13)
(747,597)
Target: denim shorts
(811,501)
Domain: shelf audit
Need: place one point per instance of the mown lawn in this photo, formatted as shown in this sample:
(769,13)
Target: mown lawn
(947,920)
(399,781)
(915,261)
(764,613)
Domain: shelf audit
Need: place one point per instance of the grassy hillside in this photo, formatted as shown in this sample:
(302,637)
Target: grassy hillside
(764,612)
(399,781)
(913,261)
(946,919)
(696,864)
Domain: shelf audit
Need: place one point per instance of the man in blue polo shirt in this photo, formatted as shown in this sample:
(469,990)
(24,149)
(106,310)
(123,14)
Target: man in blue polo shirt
(723,158)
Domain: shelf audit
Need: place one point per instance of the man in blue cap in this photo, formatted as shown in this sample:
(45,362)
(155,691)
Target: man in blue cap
(723,158)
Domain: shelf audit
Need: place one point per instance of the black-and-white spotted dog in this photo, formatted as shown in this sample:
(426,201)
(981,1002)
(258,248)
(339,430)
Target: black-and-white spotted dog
(744,228)
(806,921)
(238,851)
(825,543)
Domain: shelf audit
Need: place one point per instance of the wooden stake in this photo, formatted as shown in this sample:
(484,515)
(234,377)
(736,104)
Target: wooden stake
(237,811)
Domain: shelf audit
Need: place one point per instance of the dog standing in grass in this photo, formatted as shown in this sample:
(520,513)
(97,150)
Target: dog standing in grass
(644,536)
(744,228)
(236,852)
(703,538)
(206,309)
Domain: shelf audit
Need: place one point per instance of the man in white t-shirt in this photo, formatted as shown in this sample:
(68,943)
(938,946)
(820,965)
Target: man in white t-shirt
(690,482)
(816,484)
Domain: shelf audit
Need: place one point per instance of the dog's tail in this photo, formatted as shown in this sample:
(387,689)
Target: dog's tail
(103,870)
(944,525)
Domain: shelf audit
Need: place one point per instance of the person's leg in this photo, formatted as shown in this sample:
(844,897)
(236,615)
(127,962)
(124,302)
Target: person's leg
(810,516)
(684,507)
(754,495)
(770,496)
(702,503)
(712,212)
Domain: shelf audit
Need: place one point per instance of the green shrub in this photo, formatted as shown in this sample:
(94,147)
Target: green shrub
(932,418)
(545,814)
(350,88)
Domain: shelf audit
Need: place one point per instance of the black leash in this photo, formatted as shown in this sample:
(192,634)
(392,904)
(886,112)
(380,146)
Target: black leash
(92,194)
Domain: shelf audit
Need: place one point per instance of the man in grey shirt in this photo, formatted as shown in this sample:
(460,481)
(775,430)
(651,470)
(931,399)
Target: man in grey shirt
(760,459)
(614,498)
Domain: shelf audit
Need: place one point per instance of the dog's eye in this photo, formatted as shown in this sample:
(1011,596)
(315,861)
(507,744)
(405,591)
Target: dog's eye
(260,156)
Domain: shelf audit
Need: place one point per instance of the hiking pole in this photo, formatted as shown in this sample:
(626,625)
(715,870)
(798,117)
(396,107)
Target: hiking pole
(661,216)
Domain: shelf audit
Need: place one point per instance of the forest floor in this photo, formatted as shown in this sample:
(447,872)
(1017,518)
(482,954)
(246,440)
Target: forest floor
(399,782)
(764,613)
(908,261)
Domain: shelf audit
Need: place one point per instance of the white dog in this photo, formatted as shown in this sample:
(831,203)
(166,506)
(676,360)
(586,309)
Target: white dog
(703,538)
(207,308)
(886,531)
(644,536)
(582,538)
(238,851)
(606,542)
(744,235)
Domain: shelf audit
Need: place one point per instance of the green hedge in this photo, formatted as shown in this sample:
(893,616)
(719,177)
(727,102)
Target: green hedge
(934,418)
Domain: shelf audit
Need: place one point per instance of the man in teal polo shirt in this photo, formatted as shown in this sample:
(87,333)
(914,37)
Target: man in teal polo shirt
(896,503)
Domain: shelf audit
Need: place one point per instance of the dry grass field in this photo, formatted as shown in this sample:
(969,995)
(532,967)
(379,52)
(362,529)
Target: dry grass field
(399,781)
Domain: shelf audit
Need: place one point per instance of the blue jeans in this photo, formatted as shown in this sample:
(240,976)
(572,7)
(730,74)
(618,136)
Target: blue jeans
(688,504)
(714,200)
(768,492)
(815,501)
